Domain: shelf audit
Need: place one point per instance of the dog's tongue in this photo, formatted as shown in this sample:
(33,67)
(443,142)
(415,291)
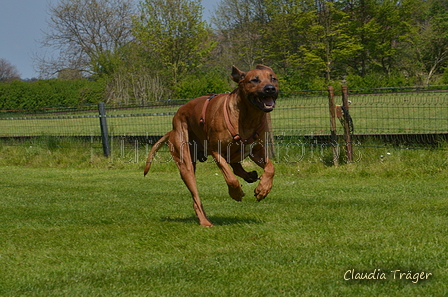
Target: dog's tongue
(268,102)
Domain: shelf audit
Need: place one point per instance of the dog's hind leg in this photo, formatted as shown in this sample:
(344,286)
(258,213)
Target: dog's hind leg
(182,156)
(197,150)
(249,177)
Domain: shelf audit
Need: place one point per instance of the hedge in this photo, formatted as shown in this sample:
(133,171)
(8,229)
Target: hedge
(53,92)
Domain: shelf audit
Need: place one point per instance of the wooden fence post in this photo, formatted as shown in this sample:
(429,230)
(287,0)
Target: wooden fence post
(104,131)
(347,135)
(334,137)
(270,138)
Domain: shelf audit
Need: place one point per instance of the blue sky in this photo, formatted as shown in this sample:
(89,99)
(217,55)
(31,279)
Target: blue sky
(21,26)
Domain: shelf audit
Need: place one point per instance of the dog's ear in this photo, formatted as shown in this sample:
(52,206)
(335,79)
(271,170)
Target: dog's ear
(237,74)
(261,67)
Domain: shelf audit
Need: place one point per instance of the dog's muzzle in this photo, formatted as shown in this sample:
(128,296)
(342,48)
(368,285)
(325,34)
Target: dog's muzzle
(265,100)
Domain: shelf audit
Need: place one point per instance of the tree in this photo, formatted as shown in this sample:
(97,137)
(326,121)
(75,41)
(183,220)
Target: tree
(173,36)
(8,72)
(332,26)
(85,33)
(432,41)
(240,24)
(380,26)
(134,78)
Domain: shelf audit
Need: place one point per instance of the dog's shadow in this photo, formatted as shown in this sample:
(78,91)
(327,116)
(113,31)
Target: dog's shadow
(216,220)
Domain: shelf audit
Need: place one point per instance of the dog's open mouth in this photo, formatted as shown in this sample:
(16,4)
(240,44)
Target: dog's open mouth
(265,103)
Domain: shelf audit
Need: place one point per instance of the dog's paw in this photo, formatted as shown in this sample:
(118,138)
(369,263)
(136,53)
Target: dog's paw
(251,177)
(236,193)
(261,192)
(201,157)
(206,224)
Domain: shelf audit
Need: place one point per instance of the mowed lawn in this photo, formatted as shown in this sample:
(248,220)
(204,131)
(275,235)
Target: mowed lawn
(111,232)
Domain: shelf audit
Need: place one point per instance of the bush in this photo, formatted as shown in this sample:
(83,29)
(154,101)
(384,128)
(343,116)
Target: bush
(53,92)
(297,80)
(377,80)
(215,81)
(444,78)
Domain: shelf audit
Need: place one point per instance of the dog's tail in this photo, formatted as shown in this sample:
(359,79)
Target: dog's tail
(154,150)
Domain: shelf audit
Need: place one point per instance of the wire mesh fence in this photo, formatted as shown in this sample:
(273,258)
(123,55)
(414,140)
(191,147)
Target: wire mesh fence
(401,113)
(413,117)
(373,113)
(152,118)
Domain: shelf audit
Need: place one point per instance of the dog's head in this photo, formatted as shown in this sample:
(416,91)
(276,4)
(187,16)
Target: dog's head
(259,86)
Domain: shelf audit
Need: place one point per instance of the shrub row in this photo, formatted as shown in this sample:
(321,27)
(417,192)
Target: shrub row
(53,92)
(56,92)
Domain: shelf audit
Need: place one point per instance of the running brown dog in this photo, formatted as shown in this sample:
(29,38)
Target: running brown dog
(229,127)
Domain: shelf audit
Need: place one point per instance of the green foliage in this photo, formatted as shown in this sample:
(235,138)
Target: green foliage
(294,80)
(107,62)
(377,80)
(53,92)
(336,39)
(444,79)
(310,44)
(432,41)
(173,35)
(211,82)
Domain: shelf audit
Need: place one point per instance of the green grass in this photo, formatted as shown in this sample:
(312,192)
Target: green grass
(78,228)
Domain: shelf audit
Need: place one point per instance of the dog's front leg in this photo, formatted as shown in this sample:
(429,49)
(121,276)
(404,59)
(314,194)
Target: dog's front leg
(235,190)
(259,156)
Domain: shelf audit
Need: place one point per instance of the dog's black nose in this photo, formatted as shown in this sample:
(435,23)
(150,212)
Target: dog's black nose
(270,89)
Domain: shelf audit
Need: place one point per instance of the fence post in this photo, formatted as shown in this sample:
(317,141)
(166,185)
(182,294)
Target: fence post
(104,131)
(347,136)
(334,137)
(270,138)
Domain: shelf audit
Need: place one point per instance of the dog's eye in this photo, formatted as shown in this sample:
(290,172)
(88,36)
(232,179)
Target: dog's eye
(274,79)
(255,80)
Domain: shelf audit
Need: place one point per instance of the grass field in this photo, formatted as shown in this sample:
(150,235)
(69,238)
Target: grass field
(71,225)
(294,115)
